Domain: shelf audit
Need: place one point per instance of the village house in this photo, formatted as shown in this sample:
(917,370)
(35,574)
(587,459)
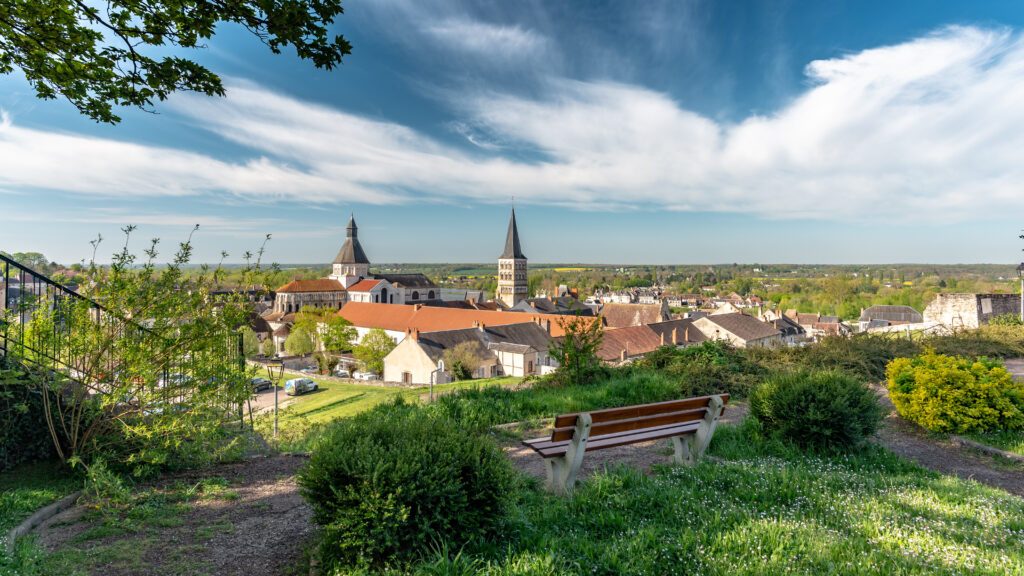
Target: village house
(880,316)
(509,350)
(625,315)
(398,320)
(739,330)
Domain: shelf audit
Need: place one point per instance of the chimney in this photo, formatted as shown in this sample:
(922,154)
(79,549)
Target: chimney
(622,356)
(481,326)
(417,306)
(476,324)
(686,335)
(675,336)
(415,334)
(662,338)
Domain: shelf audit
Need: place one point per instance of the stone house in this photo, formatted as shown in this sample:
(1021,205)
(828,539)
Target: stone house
(958,311)
(880,316)
(624,315)
(740,330)
(372,290)
(508,350)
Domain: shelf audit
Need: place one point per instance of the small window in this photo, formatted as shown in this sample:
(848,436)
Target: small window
(430,295)
(406,377)
(415,295)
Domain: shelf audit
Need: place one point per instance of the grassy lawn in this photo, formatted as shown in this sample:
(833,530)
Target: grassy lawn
(29,487)
(764,509)
(300,420)
(342,399)
(1010,441)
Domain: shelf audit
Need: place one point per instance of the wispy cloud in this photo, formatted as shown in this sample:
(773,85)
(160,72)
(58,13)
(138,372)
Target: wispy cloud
(929,129)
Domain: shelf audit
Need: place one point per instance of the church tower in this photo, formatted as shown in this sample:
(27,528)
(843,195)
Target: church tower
(512,284)
(351,264)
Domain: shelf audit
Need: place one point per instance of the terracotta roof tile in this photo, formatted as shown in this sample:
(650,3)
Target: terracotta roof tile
(364,285)
(318,285)
(403,317)
(633,340)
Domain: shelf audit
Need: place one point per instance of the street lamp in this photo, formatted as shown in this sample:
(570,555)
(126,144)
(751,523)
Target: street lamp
(1020,274)
(275,370)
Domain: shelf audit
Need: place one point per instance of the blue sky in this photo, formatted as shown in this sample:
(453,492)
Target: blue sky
(628,132)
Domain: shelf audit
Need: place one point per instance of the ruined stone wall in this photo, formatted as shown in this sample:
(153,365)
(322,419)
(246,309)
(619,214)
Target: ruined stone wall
(970,310)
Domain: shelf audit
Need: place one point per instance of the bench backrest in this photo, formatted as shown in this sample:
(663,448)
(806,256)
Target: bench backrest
(615,420)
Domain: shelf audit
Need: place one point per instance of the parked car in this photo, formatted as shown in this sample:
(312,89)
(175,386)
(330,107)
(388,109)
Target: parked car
(342,372)
(310,370)
(297,386)
(259,384)
(365,376)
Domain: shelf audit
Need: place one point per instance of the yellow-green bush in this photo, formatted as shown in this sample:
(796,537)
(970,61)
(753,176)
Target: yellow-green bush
(955,394)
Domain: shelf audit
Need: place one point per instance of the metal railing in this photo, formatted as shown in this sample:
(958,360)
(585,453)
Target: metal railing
(26,293)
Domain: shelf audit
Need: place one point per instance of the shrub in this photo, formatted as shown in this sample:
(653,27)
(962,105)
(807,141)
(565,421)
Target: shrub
(955,394)
(390,483)
(818,410)
(863,356)
(24,435)
(1002,341)
(712,367)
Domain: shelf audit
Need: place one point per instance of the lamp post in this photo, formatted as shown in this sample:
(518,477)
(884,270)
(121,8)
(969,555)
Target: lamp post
(275,370)
(1020,274)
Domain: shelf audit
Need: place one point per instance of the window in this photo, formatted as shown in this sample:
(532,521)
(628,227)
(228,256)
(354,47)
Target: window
(529,367)
(415,295)
(406,377)
(430,295)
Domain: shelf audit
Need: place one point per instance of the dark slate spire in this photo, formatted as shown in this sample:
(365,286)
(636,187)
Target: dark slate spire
(351,252)
(512,249)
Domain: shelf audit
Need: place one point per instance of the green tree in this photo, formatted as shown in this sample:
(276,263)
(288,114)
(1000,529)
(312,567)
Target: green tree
(372,349)
(250,343)
(268,347)
(98,55)
(329,331)
(463,359)
(576,352)
(149,391)
(299,342)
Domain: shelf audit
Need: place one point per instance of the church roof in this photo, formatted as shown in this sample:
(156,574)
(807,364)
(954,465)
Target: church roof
(512,248)
(351,252)
(408,280)
(319,285)
(364,285)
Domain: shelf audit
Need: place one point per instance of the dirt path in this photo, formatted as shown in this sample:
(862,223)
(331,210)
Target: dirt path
(257,528)
(913,443)
(641,456)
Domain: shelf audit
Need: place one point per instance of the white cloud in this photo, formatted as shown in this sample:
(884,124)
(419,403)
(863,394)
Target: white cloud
(930,129)
(496,42)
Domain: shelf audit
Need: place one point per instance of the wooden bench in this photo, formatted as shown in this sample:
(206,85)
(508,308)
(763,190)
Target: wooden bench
(690,423)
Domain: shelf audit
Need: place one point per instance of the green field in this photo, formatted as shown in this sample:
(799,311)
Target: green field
(343,399)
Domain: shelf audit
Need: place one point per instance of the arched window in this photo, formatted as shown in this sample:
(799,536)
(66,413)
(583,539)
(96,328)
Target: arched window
(430,295)
(415,295)
(384,295)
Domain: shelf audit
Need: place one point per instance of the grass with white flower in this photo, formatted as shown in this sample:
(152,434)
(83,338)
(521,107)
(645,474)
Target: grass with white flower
(762,508)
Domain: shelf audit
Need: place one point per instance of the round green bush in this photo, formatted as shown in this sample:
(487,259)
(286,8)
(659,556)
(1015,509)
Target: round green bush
(390,484)
(818,410)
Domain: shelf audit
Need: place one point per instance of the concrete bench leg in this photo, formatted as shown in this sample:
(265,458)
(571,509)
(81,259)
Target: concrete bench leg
(562,471)
(690,449)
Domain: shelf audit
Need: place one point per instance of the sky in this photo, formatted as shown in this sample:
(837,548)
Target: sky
(650,132)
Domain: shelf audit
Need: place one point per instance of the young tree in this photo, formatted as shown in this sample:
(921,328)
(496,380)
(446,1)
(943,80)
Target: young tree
(250,343)
(371,351)
(463,359)
(300,341)
(148,376)
(576,352)
(268,347)
(98,55)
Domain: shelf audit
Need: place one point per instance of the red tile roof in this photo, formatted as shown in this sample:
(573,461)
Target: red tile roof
(633,340)
(403,317)
(364,285)
(319,285)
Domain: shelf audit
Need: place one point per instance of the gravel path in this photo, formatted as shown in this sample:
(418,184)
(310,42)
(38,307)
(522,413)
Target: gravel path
(261,532)
(914,443)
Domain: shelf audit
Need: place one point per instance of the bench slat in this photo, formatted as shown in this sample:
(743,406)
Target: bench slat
(637,423)
(610,414)
(545,443)
(626,438)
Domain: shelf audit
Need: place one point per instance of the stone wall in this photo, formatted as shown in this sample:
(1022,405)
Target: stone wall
(970,310)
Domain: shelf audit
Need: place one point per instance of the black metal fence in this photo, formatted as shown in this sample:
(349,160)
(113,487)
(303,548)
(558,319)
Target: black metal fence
(52,345)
